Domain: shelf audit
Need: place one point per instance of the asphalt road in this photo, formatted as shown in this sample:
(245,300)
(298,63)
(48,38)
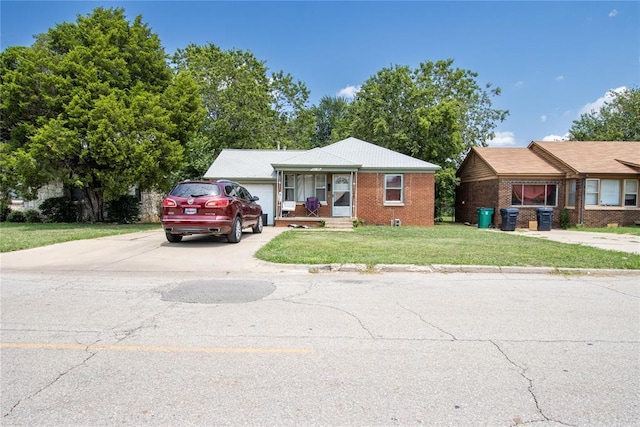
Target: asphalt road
(130,330)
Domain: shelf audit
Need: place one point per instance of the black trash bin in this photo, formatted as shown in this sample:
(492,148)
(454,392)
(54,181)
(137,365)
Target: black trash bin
(544,217)
(265,219)
(509,219)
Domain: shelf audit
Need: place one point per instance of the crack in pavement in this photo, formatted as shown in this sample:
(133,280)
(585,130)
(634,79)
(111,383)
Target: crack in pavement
(453,337)
(529,387)
(55,380)
(144,323)
(334,308)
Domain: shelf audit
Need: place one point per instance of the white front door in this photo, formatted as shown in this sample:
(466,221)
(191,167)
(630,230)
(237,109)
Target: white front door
(341,195)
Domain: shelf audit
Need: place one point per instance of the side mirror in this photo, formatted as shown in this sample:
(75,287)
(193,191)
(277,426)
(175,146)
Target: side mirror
(255,198)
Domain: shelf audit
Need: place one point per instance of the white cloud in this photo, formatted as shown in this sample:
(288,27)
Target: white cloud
(502,139)
(595,106)
(559,78)
(349,91)
(613,13)
(543,118)
(556,137)
(519,84)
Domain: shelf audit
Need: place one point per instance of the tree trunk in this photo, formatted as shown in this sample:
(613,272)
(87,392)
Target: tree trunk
(94,201)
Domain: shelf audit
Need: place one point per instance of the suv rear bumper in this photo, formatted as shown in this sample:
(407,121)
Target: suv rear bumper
(186,227)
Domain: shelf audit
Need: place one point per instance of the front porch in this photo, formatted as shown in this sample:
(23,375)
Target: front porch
(331,223)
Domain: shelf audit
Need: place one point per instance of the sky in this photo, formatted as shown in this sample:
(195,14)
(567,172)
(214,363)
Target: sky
(553,60)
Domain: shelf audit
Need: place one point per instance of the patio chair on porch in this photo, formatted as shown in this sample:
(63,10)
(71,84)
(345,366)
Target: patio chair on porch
(287,208)
(312,205)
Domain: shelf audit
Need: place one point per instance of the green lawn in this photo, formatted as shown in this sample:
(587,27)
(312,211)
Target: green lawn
(18,236)
(442,244)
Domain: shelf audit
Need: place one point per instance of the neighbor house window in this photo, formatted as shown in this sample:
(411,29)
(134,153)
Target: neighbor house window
(592,192)
(571,192)
(631,192)
(610,192)
(393,188)
(534,195)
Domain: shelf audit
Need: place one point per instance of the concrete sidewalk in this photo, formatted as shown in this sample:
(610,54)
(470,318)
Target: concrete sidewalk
(609,241)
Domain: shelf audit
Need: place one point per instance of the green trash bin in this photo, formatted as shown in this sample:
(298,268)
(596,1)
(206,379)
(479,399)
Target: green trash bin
(484,217)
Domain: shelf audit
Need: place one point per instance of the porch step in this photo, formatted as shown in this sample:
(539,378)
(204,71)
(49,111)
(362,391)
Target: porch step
(338,223)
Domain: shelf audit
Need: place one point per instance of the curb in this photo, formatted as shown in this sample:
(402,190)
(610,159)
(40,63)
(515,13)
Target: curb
(445,268)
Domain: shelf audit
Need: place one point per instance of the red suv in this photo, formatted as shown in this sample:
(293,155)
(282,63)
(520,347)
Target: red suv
(210,207)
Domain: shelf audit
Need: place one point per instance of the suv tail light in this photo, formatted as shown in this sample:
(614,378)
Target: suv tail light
(217,203)
(169,203)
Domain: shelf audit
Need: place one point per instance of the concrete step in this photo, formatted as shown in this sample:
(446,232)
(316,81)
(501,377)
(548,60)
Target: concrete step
(338,223)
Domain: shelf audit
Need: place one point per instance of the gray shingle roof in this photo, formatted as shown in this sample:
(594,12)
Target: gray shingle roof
(235,164)
(348,154)
(372,156)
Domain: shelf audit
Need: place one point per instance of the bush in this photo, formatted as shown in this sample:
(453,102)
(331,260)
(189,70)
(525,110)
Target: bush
(16,216)
(5,210)
(564,219)
(124,210)
(33,215)
(60,209)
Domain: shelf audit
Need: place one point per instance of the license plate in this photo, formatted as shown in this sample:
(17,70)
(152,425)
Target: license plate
(190,211)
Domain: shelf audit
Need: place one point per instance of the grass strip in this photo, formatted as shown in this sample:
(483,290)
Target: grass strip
(444,244)
(19,236)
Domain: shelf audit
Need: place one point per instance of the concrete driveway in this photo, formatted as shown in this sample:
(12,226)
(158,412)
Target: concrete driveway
(144,251)
(609,241)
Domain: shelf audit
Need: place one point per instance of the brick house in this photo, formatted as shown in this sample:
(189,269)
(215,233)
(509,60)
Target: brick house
(596,182)
(351,179)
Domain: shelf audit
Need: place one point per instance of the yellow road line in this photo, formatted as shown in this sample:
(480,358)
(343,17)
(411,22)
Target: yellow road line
(153,348)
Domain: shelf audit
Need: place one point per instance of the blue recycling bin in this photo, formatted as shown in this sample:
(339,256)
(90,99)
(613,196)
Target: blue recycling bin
(509,218)
(544,217)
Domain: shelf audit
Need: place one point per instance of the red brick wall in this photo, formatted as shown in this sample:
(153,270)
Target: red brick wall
(602,217)
(473,195)
(529,213)
(419,200)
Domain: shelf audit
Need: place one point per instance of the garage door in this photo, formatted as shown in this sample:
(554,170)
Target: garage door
(265,193)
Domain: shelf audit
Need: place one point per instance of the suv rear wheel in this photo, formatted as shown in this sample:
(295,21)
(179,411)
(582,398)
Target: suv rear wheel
(236,231)
(257,229)
(173,238)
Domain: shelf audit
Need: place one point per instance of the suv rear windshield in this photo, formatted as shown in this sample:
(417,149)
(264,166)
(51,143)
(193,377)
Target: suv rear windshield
(195,189)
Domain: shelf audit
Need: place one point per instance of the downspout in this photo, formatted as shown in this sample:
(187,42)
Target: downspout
(278,195)
(584,200)
(354,209)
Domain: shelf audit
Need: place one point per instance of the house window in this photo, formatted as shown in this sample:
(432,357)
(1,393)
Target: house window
(298,187)
(533,195)
(289,188)
(571,192)
(631,192)
(393,188)
(321,187)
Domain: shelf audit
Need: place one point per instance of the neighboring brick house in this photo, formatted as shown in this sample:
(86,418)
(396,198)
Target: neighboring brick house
(596,182)
(351,178)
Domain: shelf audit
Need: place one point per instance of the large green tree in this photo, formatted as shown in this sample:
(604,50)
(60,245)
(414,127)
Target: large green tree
(95,105)
(328,112)
(435,113)
(246,107)
(617,120)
